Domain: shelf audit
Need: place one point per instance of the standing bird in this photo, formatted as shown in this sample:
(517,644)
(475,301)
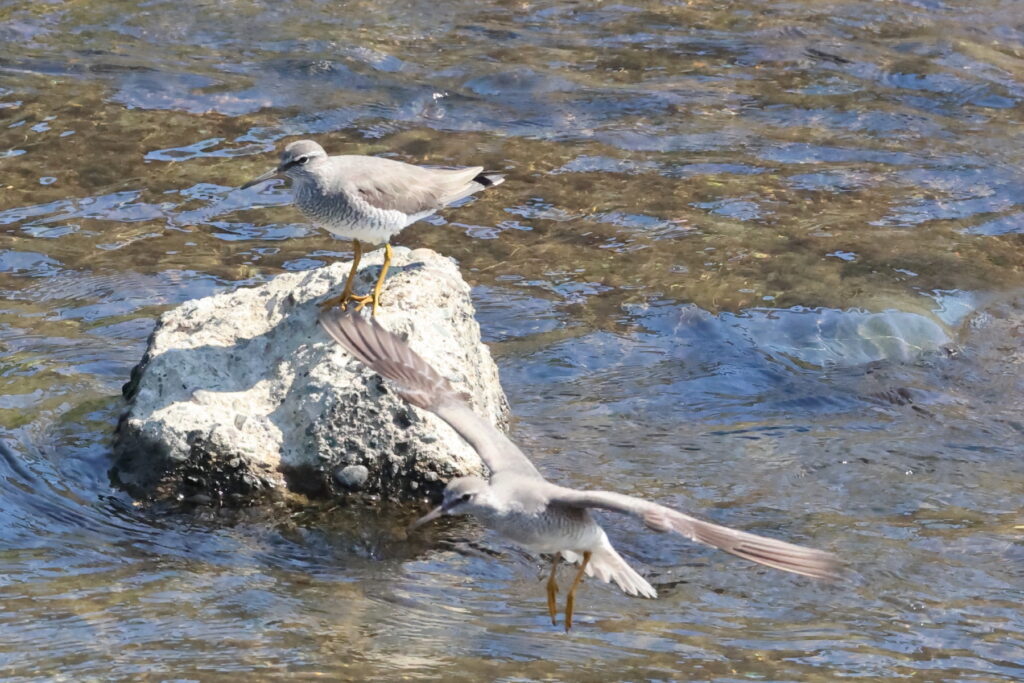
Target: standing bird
(521,505)
(369,199)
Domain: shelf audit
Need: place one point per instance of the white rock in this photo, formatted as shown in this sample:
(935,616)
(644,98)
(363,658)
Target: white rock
(242,393)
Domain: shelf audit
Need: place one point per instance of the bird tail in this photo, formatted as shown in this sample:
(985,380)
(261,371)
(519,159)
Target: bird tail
(466,181)
(607,565)
(489,179)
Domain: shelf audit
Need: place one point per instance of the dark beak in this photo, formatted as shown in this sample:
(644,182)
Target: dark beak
(429,517)
(272,173)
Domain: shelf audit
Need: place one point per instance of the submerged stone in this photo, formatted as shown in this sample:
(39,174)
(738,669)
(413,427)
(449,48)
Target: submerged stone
(242,395)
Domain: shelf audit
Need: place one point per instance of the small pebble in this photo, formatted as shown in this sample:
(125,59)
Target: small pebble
(352,477)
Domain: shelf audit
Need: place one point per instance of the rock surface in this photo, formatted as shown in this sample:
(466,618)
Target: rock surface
(242,394)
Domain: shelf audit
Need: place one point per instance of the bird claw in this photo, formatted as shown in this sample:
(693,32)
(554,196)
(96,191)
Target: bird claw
(342,301)
(361,302)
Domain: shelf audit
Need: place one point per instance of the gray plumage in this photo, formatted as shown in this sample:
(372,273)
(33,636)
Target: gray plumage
(370,198)
(535,513)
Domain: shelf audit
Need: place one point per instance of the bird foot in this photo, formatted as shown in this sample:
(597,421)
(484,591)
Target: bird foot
(342,301)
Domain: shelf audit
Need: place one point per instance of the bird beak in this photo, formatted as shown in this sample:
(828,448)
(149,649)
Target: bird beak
(429,517)
(272,173)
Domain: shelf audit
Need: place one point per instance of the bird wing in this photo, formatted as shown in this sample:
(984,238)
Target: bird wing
(396,186)
(767,551)
(424,387)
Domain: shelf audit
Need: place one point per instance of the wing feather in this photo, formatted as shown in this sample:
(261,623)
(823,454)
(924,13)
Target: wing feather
(397,186)
(424,387)
(770,552)
(421,385)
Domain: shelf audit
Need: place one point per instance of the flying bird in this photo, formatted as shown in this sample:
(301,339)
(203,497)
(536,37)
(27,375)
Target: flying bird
(519,503)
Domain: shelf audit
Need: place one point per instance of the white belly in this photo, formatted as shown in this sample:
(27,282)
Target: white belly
(370,234)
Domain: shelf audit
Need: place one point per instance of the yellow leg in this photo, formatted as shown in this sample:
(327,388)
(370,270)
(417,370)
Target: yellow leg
(346,294)
(380,281)
(552,589)
(570,599)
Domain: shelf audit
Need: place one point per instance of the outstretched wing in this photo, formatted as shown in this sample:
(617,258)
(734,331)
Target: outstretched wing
(422,386)
(788,557)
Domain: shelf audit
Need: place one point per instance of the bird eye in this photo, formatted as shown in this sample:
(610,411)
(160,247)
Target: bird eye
(301,160)
(465,497)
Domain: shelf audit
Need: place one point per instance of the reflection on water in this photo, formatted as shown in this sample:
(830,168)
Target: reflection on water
(757,260)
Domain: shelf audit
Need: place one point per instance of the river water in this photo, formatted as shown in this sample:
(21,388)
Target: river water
(759,261)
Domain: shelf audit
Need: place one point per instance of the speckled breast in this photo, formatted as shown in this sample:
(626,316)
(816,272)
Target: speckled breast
(349,217)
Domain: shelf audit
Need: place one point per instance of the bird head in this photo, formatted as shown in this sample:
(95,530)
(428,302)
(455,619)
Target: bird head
(462,496)
(298,160)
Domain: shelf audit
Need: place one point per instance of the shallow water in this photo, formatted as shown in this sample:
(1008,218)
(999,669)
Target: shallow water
(757,260)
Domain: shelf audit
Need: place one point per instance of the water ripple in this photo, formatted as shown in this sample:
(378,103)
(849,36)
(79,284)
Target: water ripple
(753,260)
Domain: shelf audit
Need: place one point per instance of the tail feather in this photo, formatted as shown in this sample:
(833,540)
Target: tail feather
(607,565)
(489,179)
(481,180)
